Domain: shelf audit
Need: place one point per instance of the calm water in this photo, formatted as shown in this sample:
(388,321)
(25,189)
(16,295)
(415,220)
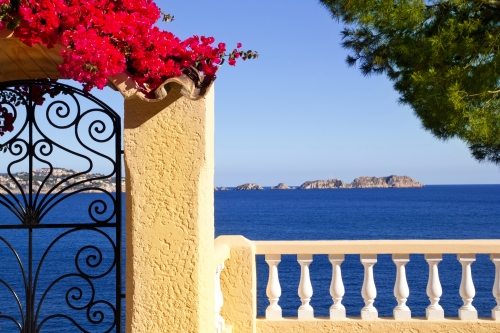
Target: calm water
(433,212)
(76,279)
(444,212)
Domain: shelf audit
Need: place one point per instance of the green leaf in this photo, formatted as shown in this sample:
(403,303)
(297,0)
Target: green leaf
(167,17)
(13,24)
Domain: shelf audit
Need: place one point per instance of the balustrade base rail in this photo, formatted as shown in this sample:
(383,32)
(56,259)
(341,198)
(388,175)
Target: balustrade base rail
(358,325)
(380,319)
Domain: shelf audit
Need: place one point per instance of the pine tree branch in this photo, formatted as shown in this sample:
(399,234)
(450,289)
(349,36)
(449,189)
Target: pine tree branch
(489,2)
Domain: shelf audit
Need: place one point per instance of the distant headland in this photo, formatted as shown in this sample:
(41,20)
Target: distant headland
(392,181)
(45,179)
(364,182)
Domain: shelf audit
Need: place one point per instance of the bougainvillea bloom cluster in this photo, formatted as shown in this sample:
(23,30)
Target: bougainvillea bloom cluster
(105,37)
(6,121)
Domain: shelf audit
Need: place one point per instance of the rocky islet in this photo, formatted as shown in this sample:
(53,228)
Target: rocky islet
(248,187)
(392,181)
(282,186)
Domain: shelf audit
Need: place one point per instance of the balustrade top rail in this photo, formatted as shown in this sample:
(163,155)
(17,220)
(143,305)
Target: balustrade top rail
(430,246)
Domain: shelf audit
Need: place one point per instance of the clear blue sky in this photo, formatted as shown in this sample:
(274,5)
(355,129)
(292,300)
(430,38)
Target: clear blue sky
(298,112)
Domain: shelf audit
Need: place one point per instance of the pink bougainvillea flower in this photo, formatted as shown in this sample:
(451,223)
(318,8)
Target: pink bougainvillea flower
(8,122)
(102,38)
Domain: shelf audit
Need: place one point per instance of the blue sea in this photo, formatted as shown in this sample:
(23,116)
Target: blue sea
(74,270)
(433,212)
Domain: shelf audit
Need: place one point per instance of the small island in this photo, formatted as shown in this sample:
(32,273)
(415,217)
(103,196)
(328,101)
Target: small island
(248,187)
(282,186)
(324,184)
(222,188)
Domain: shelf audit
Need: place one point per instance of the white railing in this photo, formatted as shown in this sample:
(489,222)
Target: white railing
(222,253)
(465,250)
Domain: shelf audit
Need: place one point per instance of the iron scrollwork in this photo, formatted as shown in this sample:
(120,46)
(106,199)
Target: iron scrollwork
(42,124)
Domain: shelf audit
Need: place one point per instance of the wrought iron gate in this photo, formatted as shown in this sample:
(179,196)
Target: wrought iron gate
(60,229)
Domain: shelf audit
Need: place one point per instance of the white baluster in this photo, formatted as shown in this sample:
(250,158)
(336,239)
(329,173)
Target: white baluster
(495,312)
(401,290)
(369,291)
(337,291)
(467,290)
(273,290)
(219,301)
(434,311)
(305,287)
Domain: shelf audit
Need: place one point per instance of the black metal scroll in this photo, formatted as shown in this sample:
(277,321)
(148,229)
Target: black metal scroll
(68,270)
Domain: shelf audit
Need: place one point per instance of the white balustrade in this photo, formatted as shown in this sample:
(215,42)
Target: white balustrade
(219,301)
(495,312)
(369,291)
(337,291)
(467,290)
(305,290)
(401,290)
(434,290)
(273,290)
(401,311)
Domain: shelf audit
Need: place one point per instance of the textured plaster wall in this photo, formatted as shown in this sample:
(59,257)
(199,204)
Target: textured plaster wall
(239,285)
(378,326)
(170,227)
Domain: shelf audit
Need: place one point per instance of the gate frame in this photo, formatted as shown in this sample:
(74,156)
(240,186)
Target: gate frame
(31,215)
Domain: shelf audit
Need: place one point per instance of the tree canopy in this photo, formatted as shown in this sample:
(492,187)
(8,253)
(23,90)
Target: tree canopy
(443,57)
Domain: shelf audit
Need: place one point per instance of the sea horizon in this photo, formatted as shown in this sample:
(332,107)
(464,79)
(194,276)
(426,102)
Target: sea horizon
(298,186)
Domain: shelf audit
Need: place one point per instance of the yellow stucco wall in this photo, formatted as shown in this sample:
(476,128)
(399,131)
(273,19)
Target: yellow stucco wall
(239,285)
(377,326)
(169,174)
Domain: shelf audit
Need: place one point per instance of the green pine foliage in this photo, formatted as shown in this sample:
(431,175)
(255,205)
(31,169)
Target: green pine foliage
(443,57)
